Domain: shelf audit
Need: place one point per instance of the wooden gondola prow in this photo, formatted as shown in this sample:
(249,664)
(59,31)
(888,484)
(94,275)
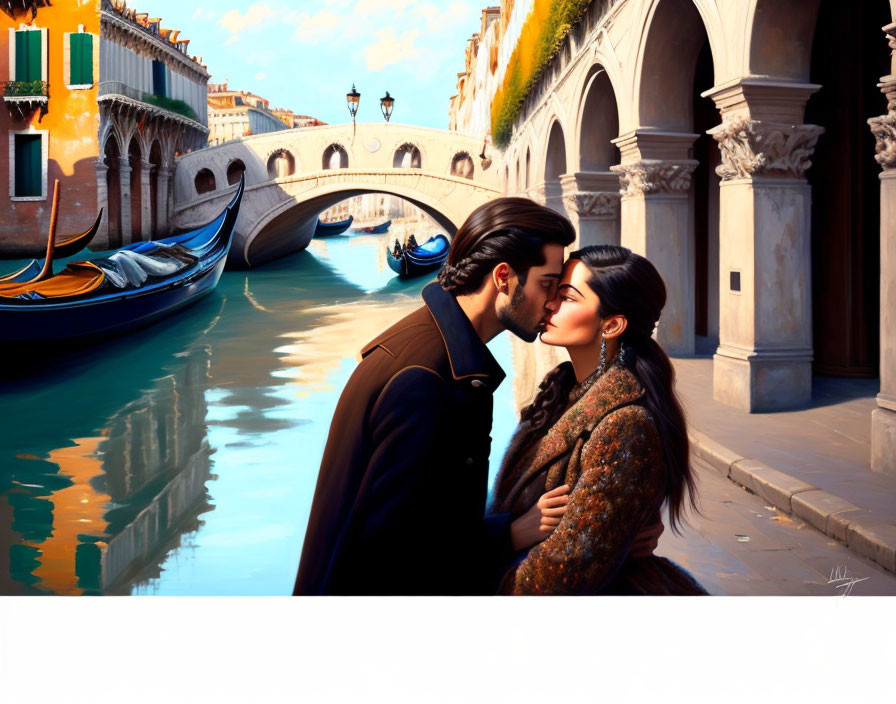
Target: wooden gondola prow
(47,270)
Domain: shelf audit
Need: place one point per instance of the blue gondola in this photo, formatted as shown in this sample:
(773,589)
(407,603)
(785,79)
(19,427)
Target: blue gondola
(107,310)
(326,229)
(420,259)
(375,229)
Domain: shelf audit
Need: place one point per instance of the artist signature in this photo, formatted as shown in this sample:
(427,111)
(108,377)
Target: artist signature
(844,580)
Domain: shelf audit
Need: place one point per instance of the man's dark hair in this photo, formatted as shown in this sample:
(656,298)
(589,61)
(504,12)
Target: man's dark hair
(512,230)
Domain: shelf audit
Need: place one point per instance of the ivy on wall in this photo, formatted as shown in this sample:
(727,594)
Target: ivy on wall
(540,39)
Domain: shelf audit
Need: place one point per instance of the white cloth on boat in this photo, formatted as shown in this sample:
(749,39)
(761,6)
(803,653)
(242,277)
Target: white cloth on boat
(127,268)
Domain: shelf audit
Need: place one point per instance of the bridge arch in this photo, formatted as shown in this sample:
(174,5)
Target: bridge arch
(278,215)
(335,156)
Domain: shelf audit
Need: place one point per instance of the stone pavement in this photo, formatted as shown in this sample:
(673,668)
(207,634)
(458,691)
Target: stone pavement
(811,465)
(743,545)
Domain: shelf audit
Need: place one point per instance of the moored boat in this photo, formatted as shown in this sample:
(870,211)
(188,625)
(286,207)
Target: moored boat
(128,288)
(375,229)
(421,259)
(327,229)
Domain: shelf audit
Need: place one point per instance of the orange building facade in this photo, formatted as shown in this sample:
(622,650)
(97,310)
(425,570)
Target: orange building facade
(49,123)
(103,98)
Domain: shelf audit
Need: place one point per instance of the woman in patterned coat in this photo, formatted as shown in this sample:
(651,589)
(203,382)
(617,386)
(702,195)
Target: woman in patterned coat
(608,426)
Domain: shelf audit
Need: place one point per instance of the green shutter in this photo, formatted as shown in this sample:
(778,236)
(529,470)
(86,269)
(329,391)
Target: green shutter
(28,165)
(81,58)
(28,55)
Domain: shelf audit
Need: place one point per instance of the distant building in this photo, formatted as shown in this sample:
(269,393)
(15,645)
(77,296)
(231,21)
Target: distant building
(100,97)
(237,113)
(470,109)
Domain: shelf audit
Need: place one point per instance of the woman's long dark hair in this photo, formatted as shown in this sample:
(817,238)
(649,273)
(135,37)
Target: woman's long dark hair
(627,284)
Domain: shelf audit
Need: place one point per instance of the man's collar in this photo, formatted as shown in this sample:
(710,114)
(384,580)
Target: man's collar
(467,353)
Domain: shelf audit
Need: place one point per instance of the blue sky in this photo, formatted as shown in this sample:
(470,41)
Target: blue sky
(304,56)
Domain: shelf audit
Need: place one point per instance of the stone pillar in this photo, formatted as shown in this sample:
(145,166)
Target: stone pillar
(883,418)
(163,184)
(537,193)
(764,358)
(125,188)
(657,222)
(101,241)
(145,200)
(592,204)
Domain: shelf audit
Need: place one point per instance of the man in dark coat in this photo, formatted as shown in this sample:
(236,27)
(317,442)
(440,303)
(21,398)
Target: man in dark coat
(400,499)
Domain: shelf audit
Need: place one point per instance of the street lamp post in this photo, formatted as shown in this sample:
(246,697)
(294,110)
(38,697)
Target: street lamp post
(386,103)
(352,99)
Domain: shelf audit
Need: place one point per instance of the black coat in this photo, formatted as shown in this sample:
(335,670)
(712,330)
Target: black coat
(400,496)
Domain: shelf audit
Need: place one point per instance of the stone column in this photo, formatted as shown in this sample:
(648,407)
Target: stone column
(145,200)
(764,359)
(101,241)
(592,204)
(883,418)
(125,188)
(162,198)
(657,222)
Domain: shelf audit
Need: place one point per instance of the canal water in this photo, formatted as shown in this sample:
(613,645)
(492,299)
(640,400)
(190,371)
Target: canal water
(182,459)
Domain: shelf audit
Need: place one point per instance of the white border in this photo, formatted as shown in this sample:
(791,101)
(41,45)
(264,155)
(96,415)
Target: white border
(44,157)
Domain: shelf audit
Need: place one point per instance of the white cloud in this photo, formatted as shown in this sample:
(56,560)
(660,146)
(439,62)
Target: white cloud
(260,76)
(388,49)
(364,8)
(322,26)
(202,14)
(232,39)
(235,22)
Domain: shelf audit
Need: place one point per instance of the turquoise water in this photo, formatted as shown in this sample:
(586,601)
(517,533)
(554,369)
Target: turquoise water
(181,459)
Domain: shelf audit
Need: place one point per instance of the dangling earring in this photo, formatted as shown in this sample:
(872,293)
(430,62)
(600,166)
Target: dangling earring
(621,356)
(603,355)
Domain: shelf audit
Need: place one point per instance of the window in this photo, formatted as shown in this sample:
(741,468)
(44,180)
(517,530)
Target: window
(28,159)
(29,56)
(158,78)
(79,50)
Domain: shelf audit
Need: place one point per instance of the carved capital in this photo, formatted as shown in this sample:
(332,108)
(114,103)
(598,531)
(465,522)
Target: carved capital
(884,130)
(537,193)
(759,148)
(655,176)
(591,204)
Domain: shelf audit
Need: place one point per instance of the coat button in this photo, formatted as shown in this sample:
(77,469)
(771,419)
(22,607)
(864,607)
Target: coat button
(477,383)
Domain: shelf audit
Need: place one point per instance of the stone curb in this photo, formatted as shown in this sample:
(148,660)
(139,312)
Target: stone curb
(832,515)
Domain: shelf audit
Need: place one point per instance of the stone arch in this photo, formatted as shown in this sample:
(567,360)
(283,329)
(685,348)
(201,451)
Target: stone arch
(235,169)
(506,178)
(280,164)
(462,165)
(112,160)
(155,158)
(300,212)
(135,161)
(204,181)
(527,169)
(407,156)
(334,157)
(780,38)
(673,36)
(598,122)
(555,154)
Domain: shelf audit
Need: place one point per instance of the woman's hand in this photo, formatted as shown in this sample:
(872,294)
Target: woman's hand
(646,541)
(539,521)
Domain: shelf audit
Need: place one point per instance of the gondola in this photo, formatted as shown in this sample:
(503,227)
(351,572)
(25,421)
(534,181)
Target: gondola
(375,229)
(67,248)
(327,229)
(111,294)
(421,259)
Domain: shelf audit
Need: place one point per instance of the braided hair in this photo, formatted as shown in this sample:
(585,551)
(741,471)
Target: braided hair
(512,230)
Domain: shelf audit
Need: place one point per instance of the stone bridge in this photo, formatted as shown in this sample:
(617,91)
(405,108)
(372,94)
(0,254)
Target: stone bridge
(294,175)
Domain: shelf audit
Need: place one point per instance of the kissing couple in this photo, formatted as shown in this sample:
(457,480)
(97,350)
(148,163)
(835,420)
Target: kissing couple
(400,502)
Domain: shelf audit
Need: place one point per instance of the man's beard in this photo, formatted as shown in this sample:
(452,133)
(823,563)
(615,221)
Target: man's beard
(509,317)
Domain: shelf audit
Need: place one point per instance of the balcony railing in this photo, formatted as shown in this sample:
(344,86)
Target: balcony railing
(178,107)
(25,89)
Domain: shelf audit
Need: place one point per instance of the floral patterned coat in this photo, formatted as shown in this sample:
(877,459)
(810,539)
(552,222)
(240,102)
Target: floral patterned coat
(607,448)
